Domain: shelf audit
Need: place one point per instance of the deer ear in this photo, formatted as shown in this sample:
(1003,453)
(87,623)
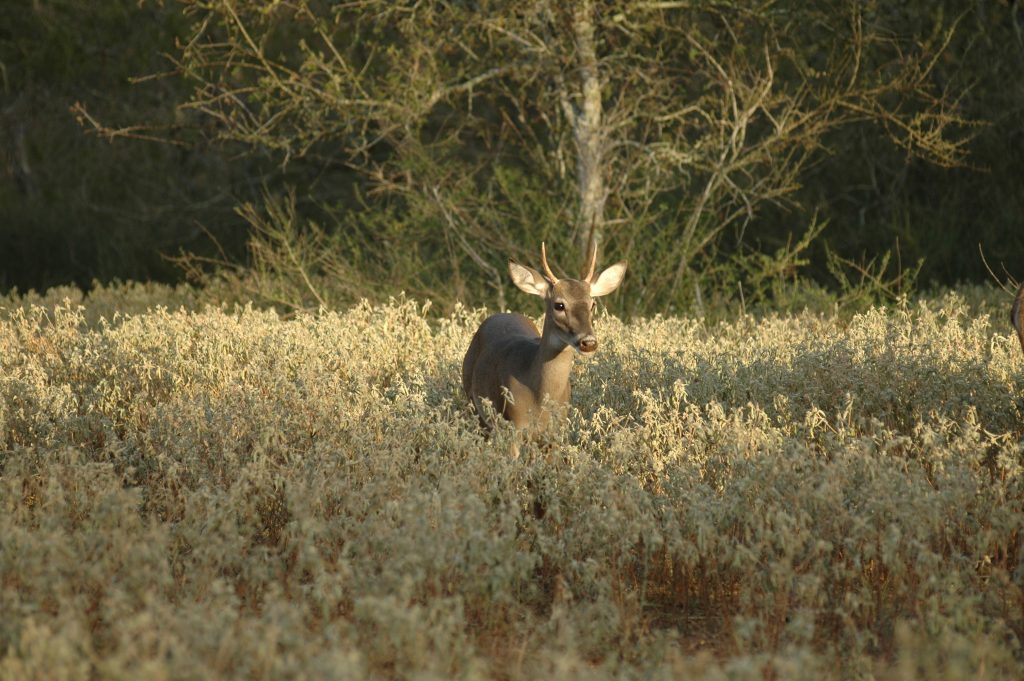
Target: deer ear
(608,280)
(528,279)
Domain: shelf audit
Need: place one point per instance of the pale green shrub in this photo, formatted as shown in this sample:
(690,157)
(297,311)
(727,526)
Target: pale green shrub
(105,301)
(230,495)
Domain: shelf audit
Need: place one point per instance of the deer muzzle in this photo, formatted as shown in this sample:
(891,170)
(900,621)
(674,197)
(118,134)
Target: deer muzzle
(588,344)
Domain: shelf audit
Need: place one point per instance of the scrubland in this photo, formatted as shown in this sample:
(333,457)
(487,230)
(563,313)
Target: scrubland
(226,494)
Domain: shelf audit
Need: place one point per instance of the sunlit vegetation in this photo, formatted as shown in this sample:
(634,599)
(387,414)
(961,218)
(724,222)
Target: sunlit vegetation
(226,494)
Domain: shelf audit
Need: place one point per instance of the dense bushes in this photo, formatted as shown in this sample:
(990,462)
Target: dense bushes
(484,169)
(232,495)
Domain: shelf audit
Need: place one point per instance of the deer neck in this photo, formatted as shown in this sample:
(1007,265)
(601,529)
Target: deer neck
(552,364)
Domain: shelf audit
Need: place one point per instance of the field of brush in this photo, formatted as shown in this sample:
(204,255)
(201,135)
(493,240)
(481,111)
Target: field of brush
(226,494)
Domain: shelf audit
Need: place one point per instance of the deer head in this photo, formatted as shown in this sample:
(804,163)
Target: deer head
(570,302)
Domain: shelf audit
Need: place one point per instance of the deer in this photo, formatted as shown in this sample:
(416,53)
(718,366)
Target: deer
(525,372)
(1017,315)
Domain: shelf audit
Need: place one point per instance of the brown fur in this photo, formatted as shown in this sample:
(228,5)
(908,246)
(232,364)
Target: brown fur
(525,373)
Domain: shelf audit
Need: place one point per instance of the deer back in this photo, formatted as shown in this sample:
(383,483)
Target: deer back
(499,359)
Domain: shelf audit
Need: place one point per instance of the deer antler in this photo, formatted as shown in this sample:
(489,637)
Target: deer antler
(544,262)
(589,276)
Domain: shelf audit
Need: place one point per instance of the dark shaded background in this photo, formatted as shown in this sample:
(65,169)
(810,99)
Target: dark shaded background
(76,207)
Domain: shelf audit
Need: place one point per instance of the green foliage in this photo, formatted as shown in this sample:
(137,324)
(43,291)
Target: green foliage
(446,149)
(874,196)
(231,495)
(295,265)
(466,126)
(75,207)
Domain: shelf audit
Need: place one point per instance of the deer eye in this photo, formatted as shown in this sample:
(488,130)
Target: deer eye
(560,307)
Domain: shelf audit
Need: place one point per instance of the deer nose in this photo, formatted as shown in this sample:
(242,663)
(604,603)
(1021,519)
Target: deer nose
(588,344)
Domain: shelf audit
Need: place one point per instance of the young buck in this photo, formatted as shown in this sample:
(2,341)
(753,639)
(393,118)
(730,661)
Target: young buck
(517,368)
(1017,315)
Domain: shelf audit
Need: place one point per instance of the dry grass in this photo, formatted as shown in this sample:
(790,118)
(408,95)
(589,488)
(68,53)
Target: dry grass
(229,495)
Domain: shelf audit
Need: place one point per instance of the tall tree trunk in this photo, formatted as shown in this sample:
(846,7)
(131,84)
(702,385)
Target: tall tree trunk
(587,132)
